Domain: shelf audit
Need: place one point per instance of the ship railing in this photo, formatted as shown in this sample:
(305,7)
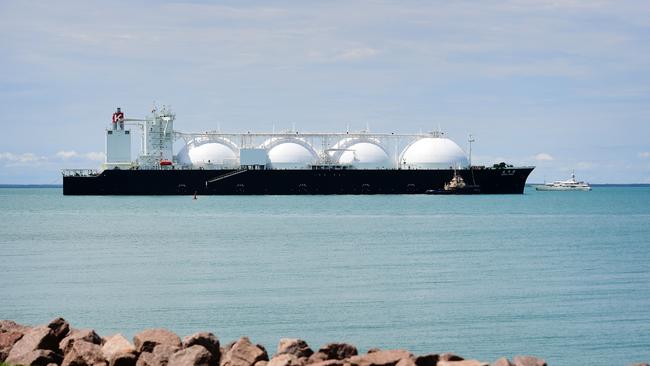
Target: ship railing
(79,172)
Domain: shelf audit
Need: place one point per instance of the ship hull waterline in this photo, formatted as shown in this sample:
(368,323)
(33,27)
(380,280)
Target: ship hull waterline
(289,182)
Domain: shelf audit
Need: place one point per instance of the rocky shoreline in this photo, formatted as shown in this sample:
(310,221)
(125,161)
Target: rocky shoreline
(57,344)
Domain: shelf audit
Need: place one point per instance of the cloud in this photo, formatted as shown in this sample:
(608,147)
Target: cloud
(544,157)
(644,154)
(9,159)
(94,156)
(66,154)
(357,54)
(12,159)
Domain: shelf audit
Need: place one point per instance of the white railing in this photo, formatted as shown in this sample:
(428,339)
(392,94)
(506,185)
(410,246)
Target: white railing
(79,172)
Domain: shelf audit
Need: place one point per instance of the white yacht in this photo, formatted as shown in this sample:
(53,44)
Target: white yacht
(565,185)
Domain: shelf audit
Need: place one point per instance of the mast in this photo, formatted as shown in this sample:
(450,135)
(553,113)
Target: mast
(470,140)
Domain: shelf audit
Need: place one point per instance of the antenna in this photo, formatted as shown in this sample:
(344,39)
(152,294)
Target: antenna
(470,140)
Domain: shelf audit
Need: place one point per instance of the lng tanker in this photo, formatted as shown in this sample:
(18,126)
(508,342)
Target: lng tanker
(290,162)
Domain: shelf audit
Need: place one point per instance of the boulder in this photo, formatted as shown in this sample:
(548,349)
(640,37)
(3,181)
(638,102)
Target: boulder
(12,326)
(195,355)
(116,345)
(60,328)
(528,361)
(7,341)
(381,358)
(285,359)
(34,339)
(463,363)
(294,346)
(84,354)
(159,356)
(205,339)
(406,362)
(501,362)
(145,359)
(39,357)
(450,357)
(146,340)
(244,353)
(329,363)
(83,335)
(261,363)
(334,351)
(427,360)
(123,359)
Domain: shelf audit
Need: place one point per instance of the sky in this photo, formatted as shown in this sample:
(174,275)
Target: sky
(560,84)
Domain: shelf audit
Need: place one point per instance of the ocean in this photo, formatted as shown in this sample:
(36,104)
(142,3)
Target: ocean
(561,275)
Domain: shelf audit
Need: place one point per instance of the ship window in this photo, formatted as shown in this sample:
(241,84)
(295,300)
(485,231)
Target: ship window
(110,132)
(127,132)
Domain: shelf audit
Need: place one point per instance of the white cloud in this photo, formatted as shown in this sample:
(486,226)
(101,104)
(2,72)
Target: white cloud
(66,154)
(30,159)
(357,54)
(544,157)
(644,154)
(12,159)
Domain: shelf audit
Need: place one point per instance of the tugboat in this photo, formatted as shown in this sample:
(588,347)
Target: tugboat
(565,185)
(456,185)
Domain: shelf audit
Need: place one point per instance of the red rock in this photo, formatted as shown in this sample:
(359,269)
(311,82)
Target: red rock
(294,346)
(83,335)
(334,351)
(11,326)
(463,363)
(158,357)
(147,340)
(123,359)
(145,359)
(381,358)
(116,346)
(285,359)
(528,361)
(7,340)
(427,360)
(192,356)
(450,357)
(60,328)
(39,357)
(205,339)
(501,362)
(34,339)
(261,363)
(329,363)
(244,353)
(84,354)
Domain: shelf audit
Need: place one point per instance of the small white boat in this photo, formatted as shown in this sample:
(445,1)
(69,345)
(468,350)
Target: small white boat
(565,185)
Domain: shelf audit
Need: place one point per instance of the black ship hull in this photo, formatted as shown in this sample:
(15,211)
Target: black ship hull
(290,182)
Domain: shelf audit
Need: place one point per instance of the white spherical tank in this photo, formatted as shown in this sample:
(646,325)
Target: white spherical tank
(290,153)
(365,155)
(433,153)
(208,153)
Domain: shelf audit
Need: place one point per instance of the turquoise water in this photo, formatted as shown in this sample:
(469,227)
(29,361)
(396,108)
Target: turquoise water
(563,275)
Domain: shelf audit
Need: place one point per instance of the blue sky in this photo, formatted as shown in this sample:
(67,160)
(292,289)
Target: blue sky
(560,84)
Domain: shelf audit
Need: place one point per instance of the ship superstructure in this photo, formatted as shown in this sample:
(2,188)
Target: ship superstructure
(282,163)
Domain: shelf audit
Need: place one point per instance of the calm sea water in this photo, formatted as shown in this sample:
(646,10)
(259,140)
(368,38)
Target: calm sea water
(561,275)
